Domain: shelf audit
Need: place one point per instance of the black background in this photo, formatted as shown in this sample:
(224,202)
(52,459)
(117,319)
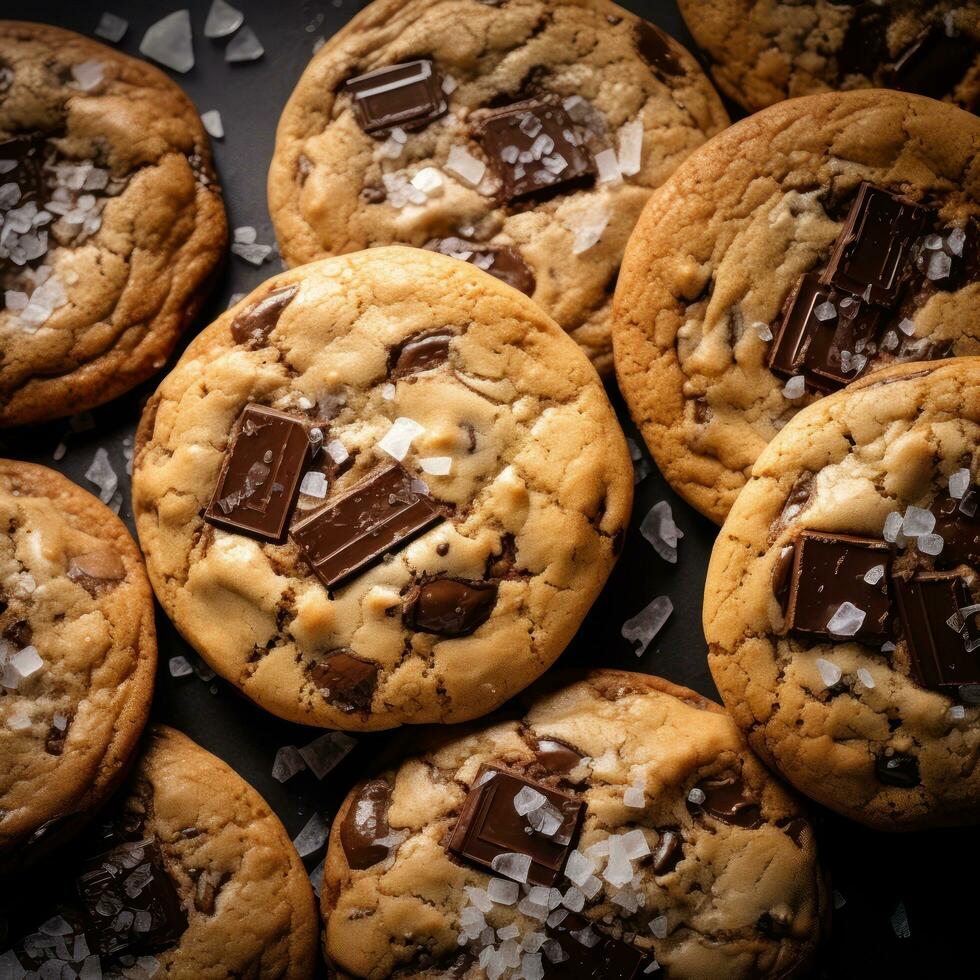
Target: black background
(933,874)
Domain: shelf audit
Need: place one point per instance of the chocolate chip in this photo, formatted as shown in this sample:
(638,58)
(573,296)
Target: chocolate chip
(421,352)
(19,633)
(450,607)
(725,800)
(656,50)
(366,823)
(346,680)
(505,262)
(958,523)
(556,756)
(590,954)
(898,770)
(254,324)
(669,851)
(408,95)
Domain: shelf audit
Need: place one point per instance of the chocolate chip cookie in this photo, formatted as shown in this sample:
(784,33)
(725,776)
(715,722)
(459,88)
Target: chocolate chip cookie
(165,884)
(763,51)
(77,657)
(522,137)
(842,600)
(111,221)
(382,489)
(619,829)
(807,246)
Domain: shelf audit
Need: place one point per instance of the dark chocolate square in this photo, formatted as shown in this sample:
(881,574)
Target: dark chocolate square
(533,146)
(958,524)
(828,571)
(408,95)
(489,825)
(873,253)
(263,465)
(938,651)
(592,955)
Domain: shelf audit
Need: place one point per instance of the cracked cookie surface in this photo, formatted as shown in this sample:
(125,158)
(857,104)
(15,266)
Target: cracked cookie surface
(113,224)
(710,887)
(398,364)
(716,259)
(873,714)
(77,656)
(189,874)
(763,51)
(635,101)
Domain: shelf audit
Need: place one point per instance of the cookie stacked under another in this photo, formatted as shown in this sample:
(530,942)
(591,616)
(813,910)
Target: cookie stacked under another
(111,221)
(382,489)
(522,137)
(619,824)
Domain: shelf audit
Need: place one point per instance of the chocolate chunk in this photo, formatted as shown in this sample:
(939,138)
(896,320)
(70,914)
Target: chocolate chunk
(725,800)
(503,261)
(421,352)
(489,825)
(20,632)
(669,851)
(27,152)
(533,146)
(829,570)
(656,50)
(129,901)
(864,48)
(408,95)
(939,653)
(958,524)
(934,64)
(261,472)
(366,823)
(556,756)
(346,680)
(823,342)
(898,770)
(254,324)
(871,258)
(377,516)
(96,571)
(592,955)
(449,607)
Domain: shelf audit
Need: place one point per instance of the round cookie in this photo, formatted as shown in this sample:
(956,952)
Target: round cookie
(111,221)
(808,245)
(763,51)
(191,875)
(835,598)
(382,489)
(77,657)
(621,819)
(523,137)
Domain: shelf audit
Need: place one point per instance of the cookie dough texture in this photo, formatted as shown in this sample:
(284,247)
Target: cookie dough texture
(880,445)
(722,244)
(764,51)
(249,903)
(401,917)
(540,481)
(95,636)
(132,285)
(496,54)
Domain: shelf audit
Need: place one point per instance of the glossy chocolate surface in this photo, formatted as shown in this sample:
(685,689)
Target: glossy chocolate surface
(934,64)
(346,680)
(422,352)
(366,823)
(592,955)
(408,95)
(958,523)
(898,770)
(254,324)
(449,607)
(556,756)
(655,49)
(725,800)
(503,261)
(669,851)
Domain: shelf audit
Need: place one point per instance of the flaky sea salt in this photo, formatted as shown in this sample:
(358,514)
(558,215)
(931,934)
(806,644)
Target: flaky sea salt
(211,120)
(892,529)
(630,147)
(959,483)
(287,763)
(312,837)
(253,253)
(658,926)
(244,46)
(429,181)
(864,676)
(846,621)
(587,225)
(607,167)
(462,164)
(696,796)
(659,529)
(647,623)
(398,439)
(169,41)
(223,19)
(436,465)
(325,752)
(634,796)
(578,868)
(336,451)
(314,484)
(111,27)
(512,865)
(918,521)
(502,892)
(874,575)
(245,234)
(795,388)
(762,330)
(101,473)
(87,75)
(180,667)
(930,544)
(830,673)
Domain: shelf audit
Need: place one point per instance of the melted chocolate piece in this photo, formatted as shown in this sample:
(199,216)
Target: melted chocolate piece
(377,516)
(592,955)
(489,825)
(366,823)
(20,632)
(958,523)
(129,901)
(533,146)
(669,851)
(937,651)
(725,800)
(254,324)
(408,95)
(556,756)
(871,258)
(259,478)
(421,352)
(897,770)
(503,261)
(346,680)
(814,347)
(656,50)
(27,152)
(934,64)
(828,571)
(448,607)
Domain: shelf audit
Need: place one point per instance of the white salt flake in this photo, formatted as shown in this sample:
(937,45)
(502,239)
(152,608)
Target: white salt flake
(462,164)
(245,234)
(658,926)
(918,521)
(830,673)
(244,46)
(618,870)
(795,388)
(211,120)
(479,898)
(529,799)
(436,465)
(607,167)
(573,899)
(874,575)
(763,330)
(111,27)
(659,529)
(587,225)
(388,391)
(502,892)
(88,75)
(223,19)
(864,676)
(906,326)
(956,712)
(398,439)
(325,752)
(255,254)
(26,662)
(959,482)
(825,311)
(337,451)
(101,473)
(939,266)
(180,667)
(512,865)
(18,721)
(169,41)
(930,544)
(634,796)
(893,527)
(287,763)
(900,922)
(696,796)
(630,147)
(312,837)
(846,621)
(314,484)
(578,868)
(646,624)
(635,844)
(429,181)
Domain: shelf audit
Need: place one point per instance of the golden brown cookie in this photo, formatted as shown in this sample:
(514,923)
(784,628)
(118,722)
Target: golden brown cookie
(111,221)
